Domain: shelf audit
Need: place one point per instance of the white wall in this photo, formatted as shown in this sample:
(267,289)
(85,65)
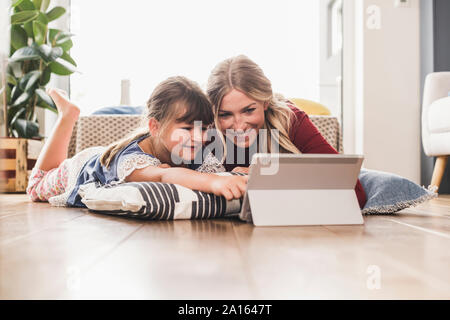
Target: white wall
(386,93)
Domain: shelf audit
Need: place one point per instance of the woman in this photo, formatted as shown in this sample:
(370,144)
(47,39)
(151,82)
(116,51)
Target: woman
(247,111)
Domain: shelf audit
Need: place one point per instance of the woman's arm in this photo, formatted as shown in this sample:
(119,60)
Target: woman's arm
(228,186)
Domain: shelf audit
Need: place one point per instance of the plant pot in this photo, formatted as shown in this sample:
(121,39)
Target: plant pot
(17,158)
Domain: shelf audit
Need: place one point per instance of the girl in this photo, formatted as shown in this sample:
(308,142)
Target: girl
(244,104)
(155,152)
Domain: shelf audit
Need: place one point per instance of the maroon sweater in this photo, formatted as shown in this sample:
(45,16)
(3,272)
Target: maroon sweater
(307,138)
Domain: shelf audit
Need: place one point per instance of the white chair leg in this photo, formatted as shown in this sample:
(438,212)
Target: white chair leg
(438,171)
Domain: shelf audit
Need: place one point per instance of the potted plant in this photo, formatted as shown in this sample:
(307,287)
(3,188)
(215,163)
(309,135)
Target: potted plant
(36,52)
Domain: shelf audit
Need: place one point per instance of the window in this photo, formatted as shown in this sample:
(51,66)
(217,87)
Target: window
(148,41)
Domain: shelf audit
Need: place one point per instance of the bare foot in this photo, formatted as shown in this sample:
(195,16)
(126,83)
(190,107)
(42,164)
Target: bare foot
(66,109)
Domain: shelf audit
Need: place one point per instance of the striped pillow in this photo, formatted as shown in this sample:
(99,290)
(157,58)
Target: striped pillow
(156,201)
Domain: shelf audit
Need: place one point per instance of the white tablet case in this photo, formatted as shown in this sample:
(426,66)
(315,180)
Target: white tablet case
(302,189)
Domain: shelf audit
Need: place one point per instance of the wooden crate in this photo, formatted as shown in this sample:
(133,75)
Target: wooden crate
(17,158)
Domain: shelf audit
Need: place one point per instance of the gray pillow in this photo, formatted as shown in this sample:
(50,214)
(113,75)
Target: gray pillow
(389,193)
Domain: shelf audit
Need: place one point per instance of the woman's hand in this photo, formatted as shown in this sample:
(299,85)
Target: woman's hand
(241,170)
(231,187)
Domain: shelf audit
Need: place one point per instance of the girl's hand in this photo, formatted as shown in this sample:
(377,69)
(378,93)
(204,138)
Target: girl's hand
(164,166)
(241,170)
(231,187)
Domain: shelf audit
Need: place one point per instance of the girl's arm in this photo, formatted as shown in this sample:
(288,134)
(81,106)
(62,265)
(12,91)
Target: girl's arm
(241,169)
(228,186)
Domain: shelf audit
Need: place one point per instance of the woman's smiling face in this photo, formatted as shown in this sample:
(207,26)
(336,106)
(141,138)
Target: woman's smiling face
(240,118)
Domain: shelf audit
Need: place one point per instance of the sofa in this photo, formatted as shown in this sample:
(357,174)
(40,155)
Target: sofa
(436,122)
(102,130)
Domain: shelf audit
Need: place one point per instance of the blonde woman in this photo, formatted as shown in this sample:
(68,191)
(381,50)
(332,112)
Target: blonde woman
(245,108)
(161,151)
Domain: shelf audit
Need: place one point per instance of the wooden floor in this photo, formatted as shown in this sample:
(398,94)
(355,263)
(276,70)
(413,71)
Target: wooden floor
(61,253)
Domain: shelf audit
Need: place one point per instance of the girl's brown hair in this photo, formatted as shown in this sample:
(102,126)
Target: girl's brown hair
(176,99)
(243,74)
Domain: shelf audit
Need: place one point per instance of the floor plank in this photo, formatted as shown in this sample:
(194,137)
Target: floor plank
(170,260)
(48,255)
(67,253)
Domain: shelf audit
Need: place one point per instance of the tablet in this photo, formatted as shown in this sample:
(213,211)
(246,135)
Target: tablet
(302,189)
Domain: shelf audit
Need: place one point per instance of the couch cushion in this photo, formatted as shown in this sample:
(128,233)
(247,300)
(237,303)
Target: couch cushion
(101,130)
(439,116)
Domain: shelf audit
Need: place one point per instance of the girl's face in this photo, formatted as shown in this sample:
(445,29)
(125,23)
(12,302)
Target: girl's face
(184,140)
(240,118)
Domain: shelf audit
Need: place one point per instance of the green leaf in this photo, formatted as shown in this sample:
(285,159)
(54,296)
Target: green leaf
(33,80)
(25,53)
(24,80)
(8,95)
(12,111)
(24,16)
(22,99)
(39,31)
(17,115)
(29,28)
(29,80)
(62,67)
(15,69)
(26,129)
(49,54)
(68,58)
(55,13)
(66,46)
(11,79)
(16,3)
(42,18)
(61,39)
(37,4)
(47,107)
(26,5)
(15,93)
(45,98)
(45,77)
(52,34)
(44,5)
(19,37)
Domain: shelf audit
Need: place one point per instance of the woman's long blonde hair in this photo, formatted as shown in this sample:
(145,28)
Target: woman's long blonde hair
(243,74)
(176,99)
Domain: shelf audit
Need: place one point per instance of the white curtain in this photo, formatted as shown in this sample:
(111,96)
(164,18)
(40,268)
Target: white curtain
(4,52)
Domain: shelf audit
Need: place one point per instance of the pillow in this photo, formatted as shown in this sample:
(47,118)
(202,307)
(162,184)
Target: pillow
(156,201)
(386,193)
(389,193)
(119,110)
(311,107)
